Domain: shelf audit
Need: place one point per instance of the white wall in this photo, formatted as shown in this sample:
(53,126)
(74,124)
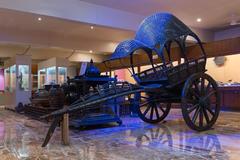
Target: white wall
(230,69)
(58,62)
(71,72)
(204,35)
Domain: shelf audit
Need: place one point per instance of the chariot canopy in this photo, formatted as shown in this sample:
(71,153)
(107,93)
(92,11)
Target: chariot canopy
(160,28)
(127,47)
(156,33)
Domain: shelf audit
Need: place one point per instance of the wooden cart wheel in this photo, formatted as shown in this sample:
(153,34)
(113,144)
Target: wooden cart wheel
(151,110)
(200,102)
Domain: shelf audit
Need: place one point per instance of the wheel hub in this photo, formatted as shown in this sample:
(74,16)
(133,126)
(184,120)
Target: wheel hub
(203,102)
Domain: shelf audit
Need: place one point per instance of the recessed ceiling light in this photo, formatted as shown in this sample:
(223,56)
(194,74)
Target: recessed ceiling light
(90,51)
(199,19)
(39,18)
(92,27)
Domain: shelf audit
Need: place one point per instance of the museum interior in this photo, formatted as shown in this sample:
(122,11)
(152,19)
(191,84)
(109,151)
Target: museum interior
(119,80)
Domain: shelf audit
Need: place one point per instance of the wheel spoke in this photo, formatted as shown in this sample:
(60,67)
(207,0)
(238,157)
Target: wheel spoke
(195,93)
(208,87)
(194,118)
(143,104)
(196,87)
(151,114)
(146,102)
(202,85)
(210,110)
(201,117)
(151,108)
(206,115)
(161,109)
(156,110)
(191,109)
(146,111)
(209,94)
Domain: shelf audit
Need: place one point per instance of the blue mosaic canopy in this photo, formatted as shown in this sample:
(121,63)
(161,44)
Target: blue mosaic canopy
(127,47)
(157,29)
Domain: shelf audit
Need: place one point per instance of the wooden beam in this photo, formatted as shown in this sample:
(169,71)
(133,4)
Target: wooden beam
(222,48)
(212,49)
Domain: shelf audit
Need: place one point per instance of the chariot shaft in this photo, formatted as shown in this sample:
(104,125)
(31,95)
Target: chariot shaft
(109,91)
(100,96)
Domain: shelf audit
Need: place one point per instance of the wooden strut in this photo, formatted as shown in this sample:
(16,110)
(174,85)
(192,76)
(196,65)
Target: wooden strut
(65,129)
(64,120)
(51,130)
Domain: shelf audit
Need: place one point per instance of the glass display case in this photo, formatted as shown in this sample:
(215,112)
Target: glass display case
(23,77)
(62,75)
(17,76)
(7,79)
(41,78)
(51,75)
(12,78)
(52,71)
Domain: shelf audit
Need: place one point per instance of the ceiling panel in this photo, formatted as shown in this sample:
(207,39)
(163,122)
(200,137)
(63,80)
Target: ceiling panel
(214,13)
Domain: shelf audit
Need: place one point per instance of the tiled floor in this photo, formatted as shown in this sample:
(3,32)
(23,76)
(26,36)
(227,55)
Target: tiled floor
(21,138)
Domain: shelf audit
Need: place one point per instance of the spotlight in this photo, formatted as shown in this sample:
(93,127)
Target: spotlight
(199,19)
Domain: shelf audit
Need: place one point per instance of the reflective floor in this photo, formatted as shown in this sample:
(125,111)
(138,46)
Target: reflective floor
(21,138)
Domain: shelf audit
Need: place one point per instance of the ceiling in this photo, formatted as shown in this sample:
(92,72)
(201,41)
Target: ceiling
(26,21)
(215,14)
(40,53)
(24,28)
(58,36)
